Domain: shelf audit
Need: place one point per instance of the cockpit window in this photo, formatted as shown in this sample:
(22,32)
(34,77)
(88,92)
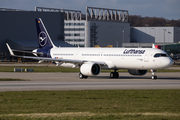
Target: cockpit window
(160,55)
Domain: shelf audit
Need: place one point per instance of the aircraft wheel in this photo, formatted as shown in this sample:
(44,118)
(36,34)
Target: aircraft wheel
(85,77)
(116,75)
(81,76)
(112,75)
(154,77)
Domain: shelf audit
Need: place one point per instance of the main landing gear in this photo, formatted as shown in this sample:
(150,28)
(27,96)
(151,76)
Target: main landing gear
(114,74)
(81,76)
(154,77)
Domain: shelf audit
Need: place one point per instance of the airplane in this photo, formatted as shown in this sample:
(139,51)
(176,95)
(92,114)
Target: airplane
(92,60)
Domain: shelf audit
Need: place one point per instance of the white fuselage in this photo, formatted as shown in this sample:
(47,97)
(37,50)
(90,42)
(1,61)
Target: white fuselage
(116,58)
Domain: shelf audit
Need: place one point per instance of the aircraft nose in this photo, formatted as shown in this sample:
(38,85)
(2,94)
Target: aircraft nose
(169,62)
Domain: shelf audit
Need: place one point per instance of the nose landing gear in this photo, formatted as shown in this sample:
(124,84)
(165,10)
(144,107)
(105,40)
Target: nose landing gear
(154,77)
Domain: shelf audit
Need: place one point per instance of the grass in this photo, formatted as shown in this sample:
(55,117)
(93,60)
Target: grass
(91,104)
(62,69)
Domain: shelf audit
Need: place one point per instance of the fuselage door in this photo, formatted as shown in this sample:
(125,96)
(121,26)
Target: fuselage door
(101,54)
(76,55)
(146,56)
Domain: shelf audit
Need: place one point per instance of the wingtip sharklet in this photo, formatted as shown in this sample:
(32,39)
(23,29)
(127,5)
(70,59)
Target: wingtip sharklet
(10,50)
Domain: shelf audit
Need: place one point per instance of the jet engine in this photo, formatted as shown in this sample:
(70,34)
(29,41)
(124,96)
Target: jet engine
(137,72)
(90,69)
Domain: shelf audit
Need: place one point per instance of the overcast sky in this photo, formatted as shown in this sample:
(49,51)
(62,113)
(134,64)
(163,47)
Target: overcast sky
(169,9)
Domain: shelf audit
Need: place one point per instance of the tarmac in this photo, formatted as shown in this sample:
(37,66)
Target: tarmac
(49,64)
(32,81)
(71,81)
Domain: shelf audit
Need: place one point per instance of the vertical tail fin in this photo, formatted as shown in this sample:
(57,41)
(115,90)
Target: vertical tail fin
(44,39)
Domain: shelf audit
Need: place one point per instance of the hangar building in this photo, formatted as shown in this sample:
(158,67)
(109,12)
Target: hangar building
(145,36)
(98,27)
(18,28)
(155,34)
(103,27)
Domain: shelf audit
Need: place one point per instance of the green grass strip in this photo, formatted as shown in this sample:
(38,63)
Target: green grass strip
(91,104)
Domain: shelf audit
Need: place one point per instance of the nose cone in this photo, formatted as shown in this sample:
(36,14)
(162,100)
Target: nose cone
(171,63)
(168,62)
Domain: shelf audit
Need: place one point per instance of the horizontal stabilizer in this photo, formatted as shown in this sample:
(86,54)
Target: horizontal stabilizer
(12,53)
(39,53)
(10,50)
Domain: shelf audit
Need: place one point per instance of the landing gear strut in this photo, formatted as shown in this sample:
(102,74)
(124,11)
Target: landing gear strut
(81,76)
(154,77)
(114,74)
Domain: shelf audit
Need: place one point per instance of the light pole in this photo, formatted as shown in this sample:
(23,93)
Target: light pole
(117,43)
(153,34)
(164,39)
(123,36)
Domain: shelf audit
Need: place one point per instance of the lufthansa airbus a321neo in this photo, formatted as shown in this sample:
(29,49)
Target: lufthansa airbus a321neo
(92,60)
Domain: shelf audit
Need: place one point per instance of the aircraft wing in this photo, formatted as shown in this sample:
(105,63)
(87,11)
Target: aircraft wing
(64,60)
(55,60)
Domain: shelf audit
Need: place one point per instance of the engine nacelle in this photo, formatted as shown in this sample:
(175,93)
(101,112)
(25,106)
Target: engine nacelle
(90,69)
(137,72)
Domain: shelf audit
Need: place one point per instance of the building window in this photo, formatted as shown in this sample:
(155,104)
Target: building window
(76,40)
(72,34)
(74,24)
(74,29)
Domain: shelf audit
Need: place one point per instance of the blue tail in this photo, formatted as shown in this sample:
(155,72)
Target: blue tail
(44,39)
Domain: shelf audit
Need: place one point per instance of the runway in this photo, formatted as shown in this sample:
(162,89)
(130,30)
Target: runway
(71,81)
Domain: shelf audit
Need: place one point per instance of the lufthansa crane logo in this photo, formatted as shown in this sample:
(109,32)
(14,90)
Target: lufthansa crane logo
(42,38)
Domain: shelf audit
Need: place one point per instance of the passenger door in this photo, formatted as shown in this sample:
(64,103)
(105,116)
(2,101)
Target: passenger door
(146,56)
